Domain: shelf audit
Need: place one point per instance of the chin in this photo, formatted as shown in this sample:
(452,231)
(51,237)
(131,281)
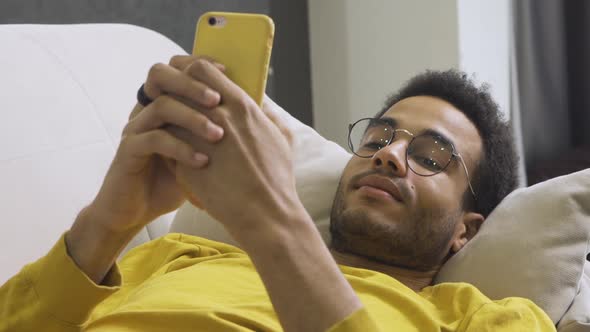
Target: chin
(374,230)
(373,209)
(363,222)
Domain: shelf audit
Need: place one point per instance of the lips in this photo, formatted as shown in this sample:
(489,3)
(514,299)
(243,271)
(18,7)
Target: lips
(381,183)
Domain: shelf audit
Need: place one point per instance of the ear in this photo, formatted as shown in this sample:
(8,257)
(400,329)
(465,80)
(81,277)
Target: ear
(466,229)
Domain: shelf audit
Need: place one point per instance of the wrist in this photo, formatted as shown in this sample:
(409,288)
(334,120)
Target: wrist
(300,275)
(94,247)
(278,231)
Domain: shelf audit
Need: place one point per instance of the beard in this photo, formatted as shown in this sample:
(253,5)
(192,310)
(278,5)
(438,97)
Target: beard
(421,241)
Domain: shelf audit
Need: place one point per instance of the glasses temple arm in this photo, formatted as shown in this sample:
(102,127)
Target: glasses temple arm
(467,174)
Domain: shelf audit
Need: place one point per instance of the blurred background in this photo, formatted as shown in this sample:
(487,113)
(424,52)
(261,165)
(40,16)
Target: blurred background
(335,61)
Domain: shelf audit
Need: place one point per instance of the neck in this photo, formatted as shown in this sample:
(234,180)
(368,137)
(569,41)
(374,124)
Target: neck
(415,280)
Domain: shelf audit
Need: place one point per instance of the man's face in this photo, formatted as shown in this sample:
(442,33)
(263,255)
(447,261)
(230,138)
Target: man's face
(417,228)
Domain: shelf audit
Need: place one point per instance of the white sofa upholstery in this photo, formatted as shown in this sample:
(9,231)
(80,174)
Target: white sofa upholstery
(65,95)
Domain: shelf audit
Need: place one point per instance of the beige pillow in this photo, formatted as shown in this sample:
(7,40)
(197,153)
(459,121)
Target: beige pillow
(533,245)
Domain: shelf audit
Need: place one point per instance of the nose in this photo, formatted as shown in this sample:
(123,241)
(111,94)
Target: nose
(392,158)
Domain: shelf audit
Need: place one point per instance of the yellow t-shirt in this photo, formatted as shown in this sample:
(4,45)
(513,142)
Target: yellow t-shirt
(185,283)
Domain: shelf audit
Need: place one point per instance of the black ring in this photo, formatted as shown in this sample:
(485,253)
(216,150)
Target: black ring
(142,98)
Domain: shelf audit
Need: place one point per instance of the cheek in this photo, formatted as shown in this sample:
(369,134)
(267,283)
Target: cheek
(436,192)
(354,166)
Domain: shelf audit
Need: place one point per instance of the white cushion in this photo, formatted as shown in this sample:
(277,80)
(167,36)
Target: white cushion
(66,92)
(533,245)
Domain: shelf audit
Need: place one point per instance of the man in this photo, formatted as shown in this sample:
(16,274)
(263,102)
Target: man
(423,179)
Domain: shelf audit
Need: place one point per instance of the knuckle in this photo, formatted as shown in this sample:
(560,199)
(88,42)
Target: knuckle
(188,87)
(153,137)
(244,103)
(202,62)
(124,144)
(198,67)
(176,60)
(136,111)
(203,123)
(219,116)
(162,102)
(126,130)
(156,70)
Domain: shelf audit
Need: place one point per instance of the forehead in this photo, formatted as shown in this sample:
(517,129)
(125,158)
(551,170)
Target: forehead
(420,113)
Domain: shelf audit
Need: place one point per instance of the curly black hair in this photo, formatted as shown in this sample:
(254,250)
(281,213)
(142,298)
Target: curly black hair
(496,172)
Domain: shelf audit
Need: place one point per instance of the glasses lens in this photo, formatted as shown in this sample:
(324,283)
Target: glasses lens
(367,136)
(428,155)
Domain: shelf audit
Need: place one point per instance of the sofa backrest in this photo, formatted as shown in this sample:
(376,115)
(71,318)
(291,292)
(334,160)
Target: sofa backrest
(66,92)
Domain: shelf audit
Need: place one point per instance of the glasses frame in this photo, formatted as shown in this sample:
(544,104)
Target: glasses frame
(454,153)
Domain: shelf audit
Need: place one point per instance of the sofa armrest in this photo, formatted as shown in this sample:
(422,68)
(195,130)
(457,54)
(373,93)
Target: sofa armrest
(66,94)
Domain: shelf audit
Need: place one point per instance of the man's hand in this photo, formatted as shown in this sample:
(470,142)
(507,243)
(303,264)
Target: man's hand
(249,186)
(138,186)
(251,170)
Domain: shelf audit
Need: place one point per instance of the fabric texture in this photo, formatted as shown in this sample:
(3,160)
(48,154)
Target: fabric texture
(185,283)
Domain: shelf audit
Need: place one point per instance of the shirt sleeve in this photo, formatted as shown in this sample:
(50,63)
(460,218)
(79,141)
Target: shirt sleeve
(510,314)
(52,294)
(359,320)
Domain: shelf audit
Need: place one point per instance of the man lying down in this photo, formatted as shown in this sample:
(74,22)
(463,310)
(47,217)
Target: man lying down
(425,173)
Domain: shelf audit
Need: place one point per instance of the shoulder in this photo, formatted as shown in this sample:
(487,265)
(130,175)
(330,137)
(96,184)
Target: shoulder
(483,314)
(510,314)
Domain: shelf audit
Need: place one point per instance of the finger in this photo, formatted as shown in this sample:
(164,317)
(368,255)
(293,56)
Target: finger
(167,110)
(181,62)
(165,79)
(136,110)
(162,143)
(205,72)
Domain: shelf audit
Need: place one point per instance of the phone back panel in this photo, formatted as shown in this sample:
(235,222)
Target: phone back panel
(243,44)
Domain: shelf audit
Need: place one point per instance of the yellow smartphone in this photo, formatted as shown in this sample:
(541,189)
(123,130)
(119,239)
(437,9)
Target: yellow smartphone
(242,43)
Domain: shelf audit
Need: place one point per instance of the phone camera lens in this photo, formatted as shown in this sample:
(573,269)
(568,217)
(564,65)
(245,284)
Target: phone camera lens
(212,21)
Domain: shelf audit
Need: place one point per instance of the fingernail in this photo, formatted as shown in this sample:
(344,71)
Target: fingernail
(200,159)
(213,131)
(211,96)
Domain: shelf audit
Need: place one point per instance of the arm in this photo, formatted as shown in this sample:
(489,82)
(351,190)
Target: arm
(58,292)
(52,294)
(250,188)
(307,289)
(140,184)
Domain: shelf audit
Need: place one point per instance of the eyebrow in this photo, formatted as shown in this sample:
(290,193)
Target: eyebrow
(390,121)
(429,131)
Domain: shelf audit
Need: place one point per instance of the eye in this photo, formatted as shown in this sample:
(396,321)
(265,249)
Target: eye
(373,145)
(428,163)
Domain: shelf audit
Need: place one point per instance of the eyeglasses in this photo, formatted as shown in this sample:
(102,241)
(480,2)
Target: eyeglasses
(426,155)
